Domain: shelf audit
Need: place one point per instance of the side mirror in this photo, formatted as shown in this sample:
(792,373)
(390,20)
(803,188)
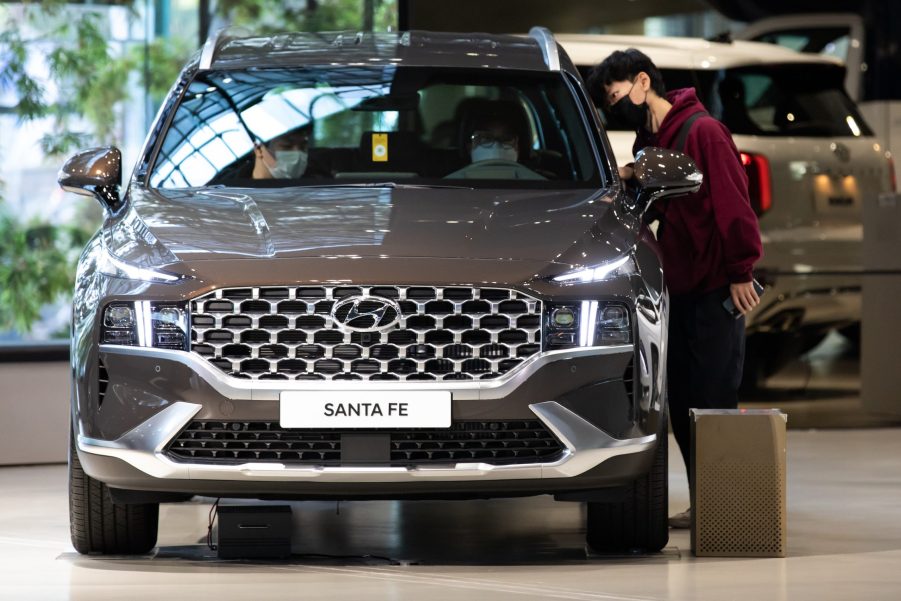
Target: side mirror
(661,173)
(95,172)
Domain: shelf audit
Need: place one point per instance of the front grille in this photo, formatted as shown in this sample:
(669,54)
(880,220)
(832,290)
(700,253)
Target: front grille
(442,333)
(495,443)
(240,442)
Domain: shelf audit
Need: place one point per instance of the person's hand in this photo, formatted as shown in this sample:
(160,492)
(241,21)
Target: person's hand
(744,297)
(626,172)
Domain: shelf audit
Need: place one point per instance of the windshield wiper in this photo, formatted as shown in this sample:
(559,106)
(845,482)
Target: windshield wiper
(387,185)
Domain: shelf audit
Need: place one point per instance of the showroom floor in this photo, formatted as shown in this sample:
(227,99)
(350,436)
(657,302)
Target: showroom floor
(844,543)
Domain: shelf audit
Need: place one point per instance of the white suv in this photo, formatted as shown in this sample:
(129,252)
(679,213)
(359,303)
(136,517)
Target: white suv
(812,162)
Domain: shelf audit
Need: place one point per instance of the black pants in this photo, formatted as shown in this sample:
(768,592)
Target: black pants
(704,360)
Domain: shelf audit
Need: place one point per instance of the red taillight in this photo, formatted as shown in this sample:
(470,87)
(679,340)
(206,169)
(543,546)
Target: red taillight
(891,173)
(760,187)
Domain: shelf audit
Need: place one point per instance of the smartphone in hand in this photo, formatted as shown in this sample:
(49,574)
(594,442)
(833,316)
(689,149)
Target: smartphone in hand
(730,307)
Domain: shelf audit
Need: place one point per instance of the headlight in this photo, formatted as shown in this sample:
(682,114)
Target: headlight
(146,323)
(563,317)
(587,323)
(119,317)
(119,324)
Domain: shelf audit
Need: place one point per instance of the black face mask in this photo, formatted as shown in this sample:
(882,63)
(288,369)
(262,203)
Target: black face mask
(634,116)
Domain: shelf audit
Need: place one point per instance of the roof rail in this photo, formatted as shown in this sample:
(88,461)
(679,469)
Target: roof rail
(209,50)
(548,45)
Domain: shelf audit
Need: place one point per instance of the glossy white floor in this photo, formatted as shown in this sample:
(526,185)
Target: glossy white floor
(844,543)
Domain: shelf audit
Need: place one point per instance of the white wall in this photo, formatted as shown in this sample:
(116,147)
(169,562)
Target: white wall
(34,412)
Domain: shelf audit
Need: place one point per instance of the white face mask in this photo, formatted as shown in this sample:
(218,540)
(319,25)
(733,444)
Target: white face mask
(289,164)
(494,152)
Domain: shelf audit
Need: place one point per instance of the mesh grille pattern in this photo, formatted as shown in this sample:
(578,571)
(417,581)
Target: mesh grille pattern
(496,443)
(741,511)
(442,333)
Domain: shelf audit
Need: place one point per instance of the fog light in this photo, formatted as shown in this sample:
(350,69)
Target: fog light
(170,340)
(561,339)
(119,337)
(119,316)
(614,337)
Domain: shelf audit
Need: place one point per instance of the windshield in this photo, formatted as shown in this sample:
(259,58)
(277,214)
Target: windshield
(772,100)
(358,125)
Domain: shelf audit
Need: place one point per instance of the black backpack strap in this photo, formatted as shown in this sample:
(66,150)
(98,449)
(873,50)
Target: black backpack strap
(682,136)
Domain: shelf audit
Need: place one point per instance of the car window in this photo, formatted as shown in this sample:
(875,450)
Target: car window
(828,41)
(788,100)
(377,124)
(770,100)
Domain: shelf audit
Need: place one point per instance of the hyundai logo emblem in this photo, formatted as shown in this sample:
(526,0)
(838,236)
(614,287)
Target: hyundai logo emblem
(362,313)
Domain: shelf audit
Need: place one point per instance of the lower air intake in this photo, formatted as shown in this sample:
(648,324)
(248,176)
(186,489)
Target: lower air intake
(493,443)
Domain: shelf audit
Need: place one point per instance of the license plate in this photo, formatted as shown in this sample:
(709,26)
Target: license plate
(836,195)
(365,409)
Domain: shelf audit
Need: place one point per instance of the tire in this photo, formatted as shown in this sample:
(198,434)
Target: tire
(99,526)
(638,524)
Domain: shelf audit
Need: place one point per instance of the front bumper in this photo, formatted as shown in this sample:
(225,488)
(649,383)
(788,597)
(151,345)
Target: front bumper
(586,446)
(607,439)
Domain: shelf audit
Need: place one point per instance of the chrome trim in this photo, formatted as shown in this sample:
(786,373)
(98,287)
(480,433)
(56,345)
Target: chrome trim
(587,444)
(269,390)
(378,314)
(142,447)
(548,45)
(208,53)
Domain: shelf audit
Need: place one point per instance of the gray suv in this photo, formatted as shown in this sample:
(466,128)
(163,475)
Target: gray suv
(355,266)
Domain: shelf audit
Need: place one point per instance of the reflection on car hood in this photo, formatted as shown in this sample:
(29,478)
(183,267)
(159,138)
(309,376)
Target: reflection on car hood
(531,225)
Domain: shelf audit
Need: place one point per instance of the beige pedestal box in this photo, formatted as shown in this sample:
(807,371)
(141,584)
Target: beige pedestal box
(738,470)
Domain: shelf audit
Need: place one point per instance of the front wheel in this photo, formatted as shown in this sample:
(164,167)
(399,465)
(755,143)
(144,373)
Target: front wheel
(638,523)
(98,525)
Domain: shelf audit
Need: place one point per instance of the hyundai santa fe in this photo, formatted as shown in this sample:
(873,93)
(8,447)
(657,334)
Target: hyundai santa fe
(379,266)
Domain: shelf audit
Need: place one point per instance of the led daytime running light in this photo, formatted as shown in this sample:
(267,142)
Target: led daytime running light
(594,274)
(116,267)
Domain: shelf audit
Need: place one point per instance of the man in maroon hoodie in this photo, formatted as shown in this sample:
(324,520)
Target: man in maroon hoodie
(709,240)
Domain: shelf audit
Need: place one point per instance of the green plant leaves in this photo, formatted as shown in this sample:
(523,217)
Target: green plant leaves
(36,267)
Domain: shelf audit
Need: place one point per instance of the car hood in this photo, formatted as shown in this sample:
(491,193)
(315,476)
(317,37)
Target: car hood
(536,226)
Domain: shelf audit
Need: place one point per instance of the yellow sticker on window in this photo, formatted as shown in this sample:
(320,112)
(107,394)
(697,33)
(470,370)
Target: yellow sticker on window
(380,148)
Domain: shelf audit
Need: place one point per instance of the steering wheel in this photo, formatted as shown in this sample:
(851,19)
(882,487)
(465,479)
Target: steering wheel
(518,170)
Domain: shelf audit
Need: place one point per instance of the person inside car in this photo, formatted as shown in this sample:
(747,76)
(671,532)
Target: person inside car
(709,241)
(494,151)
(284,156)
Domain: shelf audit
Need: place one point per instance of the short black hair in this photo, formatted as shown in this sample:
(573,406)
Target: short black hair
(623,65)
